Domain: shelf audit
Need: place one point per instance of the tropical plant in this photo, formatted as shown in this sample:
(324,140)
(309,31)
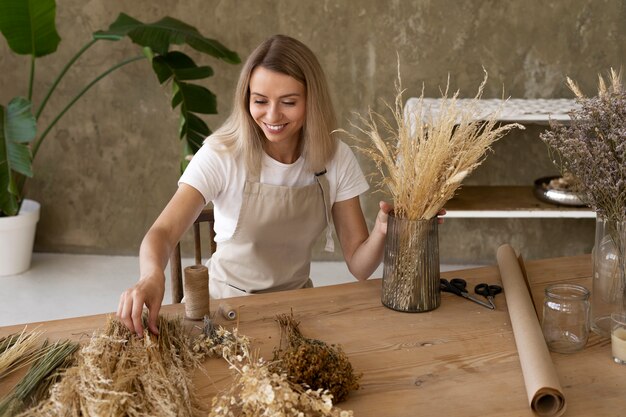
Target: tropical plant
(29,28)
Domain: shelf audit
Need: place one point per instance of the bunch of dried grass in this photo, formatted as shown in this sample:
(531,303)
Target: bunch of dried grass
(36,381)
(312,362)
(118,374)
(424,158)
(259,391)
(19,350)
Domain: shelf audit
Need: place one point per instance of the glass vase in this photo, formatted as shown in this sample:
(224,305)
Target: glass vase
(608,293)
(411,265)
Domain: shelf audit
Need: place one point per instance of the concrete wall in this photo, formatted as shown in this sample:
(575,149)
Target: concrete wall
(110,166)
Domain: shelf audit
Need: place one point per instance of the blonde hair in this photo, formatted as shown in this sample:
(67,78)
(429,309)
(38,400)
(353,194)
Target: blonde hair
(241,134)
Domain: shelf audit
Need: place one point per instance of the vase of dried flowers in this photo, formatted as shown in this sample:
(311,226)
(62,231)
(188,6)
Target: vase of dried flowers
(411,265)
(593,148)
(422,155)
(609,274)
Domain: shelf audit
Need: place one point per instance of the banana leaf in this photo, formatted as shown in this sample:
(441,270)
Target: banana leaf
(160,35)
(29,27)
(17,129)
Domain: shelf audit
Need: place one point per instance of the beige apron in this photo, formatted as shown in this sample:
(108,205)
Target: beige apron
(270,249)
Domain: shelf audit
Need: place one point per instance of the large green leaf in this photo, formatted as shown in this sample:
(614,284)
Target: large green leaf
(160,35)
(176,67)
(17,127)
(8,202)
(179,66)
(29,26)
(194,98)
(195,130)
(20,128)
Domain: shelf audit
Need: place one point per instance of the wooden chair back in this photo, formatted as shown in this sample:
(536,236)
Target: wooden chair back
(206,216)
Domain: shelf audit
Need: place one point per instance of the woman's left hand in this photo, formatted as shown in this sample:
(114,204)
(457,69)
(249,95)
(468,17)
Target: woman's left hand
(382,216)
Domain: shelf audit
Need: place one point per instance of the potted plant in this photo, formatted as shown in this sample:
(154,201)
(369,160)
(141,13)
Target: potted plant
(29,28)
(423,156)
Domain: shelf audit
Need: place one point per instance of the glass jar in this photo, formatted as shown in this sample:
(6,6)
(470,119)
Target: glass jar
(565,320)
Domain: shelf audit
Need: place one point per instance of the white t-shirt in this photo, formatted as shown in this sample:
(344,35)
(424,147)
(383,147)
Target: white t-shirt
(220,178)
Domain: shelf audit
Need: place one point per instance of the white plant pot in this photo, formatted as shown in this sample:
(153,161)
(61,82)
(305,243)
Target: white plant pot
(17,235)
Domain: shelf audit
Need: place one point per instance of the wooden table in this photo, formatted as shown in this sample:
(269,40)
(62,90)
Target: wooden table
(459,360)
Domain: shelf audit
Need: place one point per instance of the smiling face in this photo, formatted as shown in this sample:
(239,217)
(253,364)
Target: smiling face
(278,106)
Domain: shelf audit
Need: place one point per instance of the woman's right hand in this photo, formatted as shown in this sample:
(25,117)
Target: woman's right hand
(149,291)
(156,246)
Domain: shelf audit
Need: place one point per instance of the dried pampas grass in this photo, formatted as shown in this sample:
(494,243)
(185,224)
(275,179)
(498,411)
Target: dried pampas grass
(119,374)
(424,158)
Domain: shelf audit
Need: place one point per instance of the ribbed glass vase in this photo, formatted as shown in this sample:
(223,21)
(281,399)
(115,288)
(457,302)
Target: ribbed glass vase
(411,265)
(608,293)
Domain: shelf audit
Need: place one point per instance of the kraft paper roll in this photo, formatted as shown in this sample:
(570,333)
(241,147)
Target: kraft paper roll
(196,286)
(545,395)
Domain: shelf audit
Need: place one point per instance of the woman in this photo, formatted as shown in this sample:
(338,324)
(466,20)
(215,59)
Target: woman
(277,178)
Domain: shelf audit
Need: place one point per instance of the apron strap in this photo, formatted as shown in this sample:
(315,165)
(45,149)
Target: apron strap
(321,179)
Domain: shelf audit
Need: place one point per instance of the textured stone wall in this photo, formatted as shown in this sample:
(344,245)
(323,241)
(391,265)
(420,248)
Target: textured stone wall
(110,166)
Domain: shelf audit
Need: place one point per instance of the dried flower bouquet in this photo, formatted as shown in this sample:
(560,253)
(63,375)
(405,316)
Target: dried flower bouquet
(260,388)
(593,148)
(424,158)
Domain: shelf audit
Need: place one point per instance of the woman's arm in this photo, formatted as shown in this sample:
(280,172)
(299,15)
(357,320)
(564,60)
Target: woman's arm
(363,252)
(156,247)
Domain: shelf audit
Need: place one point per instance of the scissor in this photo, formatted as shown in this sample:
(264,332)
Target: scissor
(488,291)
(458,286)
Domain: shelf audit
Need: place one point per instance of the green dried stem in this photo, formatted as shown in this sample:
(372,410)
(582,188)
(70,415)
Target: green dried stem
(423,159)
(21,396)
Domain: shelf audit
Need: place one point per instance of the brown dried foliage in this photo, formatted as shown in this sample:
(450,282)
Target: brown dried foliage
(312,362)
(119,374)
(423,158)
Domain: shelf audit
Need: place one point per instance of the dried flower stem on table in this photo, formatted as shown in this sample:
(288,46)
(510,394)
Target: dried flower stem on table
(216,341)
(118,374)
(424,158)
(312,362)
(258,390)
